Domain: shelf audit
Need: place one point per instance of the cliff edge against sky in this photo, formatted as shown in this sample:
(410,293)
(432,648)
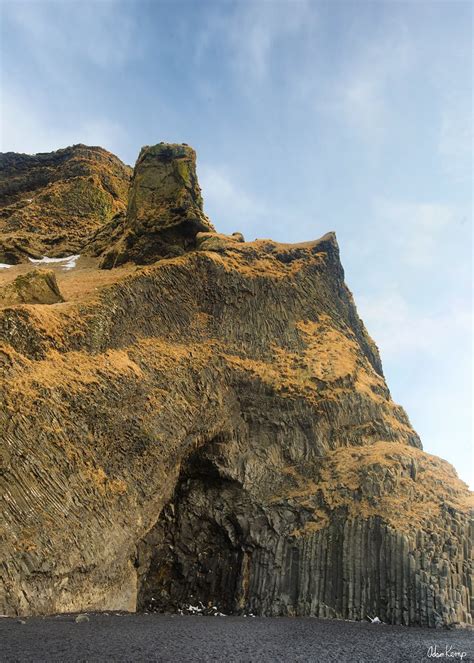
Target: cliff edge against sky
(200,418)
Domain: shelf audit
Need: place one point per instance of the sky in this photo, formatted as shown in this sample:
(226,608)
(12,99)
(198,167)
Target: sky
(307,117)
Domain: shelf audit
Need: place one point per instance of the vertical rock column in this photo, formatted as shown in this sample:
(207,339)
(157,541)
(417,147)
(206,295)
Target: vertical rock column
(165,208)
(362,567)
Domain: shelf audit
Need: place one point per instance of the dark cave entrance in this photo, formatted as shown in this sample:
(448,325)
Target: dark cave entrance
(196,553)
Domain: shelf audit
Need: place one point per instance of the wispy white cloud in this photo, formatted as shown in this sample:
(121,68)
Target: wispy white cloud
(427,359)
(359,96)
(65,50)
(231,207)
(100,32)
(252,32)
(361,101)
(24,129)
(402,329)
(418,232)
(416,303)
(419,245)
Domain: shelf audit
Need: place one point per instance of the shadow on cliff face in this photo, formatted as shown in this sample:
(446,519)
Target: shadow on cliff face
(197,550)
(216,544)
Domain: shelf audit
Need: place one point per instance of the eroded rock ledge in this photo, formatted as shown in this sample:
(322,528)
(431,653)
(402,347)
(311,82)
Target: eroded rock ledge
(216,427)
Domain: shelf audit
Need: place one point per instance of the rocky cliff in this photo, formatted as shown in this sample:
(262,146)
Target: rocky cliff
(210,422)
(50,203)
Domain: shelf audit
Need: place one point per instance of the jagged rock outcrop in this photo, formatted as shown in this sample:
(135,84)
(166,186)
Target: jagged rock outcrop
(216,427)
(164,212)
(51,203)
(36,287)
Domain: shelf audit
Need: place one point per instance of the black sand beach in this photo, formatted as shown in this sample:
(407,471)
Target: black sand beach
(153,637)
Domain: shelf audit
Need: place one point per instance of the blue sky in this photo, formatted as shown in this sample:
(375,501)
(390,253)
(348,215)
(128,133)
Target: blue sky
(307,117)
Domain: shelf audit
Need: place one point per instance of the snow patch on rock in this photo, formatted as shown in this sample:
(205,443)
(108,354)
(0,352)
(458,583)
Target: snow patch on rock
(69,262)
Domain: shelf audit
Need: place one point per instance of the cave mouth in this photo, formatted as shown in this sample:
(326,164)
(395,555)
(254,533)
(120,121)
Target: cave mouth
(197,554)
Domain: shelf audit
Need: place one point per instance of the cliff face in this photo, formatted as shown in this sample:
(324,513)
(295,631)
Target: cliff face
(215,427)
(49,203)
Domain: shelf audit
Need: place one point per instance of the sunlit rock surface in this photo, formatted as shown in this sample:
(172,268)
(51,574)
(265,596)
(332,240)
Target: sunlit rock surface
(216,427)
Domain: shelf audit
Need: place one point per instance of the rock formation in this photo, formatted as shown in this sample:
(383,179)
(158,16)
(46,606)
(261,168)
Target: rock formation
(164,211)
(35,287)
(216,427)
(50,203)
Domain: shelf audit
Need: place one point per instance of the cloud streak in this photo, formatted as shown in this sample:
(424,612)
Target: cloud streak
(23,129)
(417,231)
(251,34)
(99,32)
(359,96)
(227,202)
(401,329)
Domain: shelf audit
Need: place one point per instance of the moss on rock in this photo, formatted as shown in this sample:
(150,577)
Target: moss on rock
(165,208)
(36,287)
(51,203)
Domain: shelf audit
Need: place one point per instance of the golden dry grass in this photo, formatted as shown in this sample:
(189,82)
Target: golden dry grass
(76,285)
(70,372)
(404,485)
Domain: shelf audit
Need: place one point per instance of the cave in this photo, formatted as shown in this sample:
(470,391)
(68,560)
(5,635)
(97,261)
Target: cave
(198,551)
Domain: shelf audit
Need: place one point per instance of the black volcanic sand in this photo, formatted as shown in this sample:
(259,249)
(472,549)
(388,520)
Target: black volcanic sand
(153,637)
